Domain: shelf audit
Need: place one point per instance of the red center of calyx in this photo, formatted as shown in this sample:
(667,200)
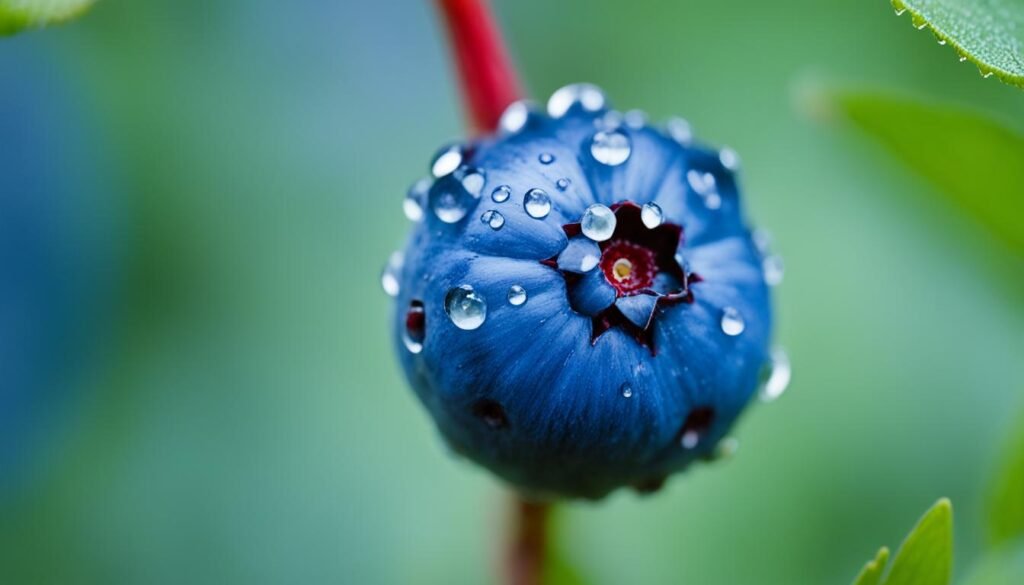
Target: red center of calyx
(629,267)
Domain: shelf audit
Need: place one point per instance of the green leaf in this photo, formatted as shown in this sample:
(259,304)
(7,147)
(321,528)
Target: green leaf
(977,161)
(16,15)
(989,33)
(1006,500)
(871,574)
(926,556)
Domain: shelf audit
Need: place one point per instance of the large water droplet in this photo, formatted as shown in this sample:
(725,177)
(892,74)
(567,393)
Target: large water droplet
(446,161)
(465,307)
(627,390)
(589,97)
(732,322)
(537,203)
(729,159)
(652,215)
(412,206)
(449,206)
(389,278)
(493,219)
(598,223)
(775,376)
(516,295)
(415,327)
(610,148)
(514,118)
(473,182)
(546,158)
(454,200)
(679,130)
(501,193)
(774,269)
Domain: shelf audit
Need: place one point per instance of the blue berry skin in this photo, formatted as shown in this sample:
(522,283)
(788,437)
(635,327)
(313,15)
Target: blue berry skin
(577,391)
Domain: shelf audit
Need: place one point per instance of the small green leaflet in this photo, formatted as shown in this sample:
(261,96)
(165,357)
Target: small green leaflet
(16,15)
(977,161)
(1006,500)
(989,33)
(924,558)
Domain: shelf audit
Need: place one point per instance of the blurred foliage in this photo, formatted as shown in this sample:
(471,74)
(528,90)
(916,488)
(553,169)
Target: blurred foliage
(16,15)
(989,33)
(1002,567)
(248,423)
(1006,501)
(873,570)
(926,556)
(975,160)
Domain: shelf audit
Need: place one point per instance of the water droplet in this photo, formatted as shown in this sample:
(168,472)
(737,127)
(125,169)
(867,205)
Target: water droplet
(516,295)
(762,241)
(775,376)
(680,131)
(963,58)
(627,390)
(501,194)
(774,270)
(389,276)
(729,159)
(652,215)
(546,158)
(473,182)
(415,327)
(449,206)
(598,223)
(465,307)
(611,120)
(563,184)
(514,118)
(635,119)
(705,185)
(413,203)
(537,203)
(493,219)
(610,148)
(697,424)
(446,161)
(452,202)
(732,322)
(589,97)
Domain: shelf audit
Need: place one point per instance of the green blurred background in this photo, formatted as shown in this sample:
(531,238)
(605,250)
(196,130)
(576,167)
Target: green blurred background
(241,419)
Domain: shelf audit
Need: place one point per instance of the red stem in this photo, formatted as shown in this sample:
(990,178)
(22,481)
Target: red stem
(524,563)
(488,77)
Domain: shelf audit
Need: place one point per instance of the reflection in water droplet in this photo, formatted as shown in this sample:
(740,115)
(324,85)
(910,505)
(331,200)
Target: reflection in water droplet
(465,307)
(729,159)
(473,182)
(452,202)
(563,184)
(446,161)
(514,118)
(588,96)
(611,120)
(635,119)
(537,203)
(493,219)
(775,376)
(732,322)
(516,295)
(546,158)
(449,206)
(652,215)
(415,327)
(390,275)
(679,130)
(412,206)
(610,148)
(627,390)
(598,223)
(501,193)
(774,270)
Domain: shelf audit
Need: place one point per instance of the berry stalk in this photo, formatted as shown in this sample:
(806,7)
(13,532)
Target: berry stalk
(525,552)
(487,76)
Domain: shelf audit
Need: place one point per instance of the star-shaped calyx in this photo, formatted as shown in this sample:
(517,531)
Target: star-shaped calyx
(620,266)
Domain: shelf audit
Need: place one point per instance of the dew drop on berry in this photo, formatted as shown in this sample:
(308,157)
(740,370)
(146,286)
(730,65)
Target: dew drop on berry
(635,119)
(389,276)
(679,130)
(537,203)
(774,270)
(546,158)
(493,218)
(446,161)
(610,148)
(465,307)
(563,184)
(697,424)
(473,182)
(598,223)
(589,97)
(450,206)
(652,215)
(705,185)
(501,193)
(516,295)
(732,322)
(415,327)
(729,159)
(775,376)
(514,118)
(627,390)
(412,206)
